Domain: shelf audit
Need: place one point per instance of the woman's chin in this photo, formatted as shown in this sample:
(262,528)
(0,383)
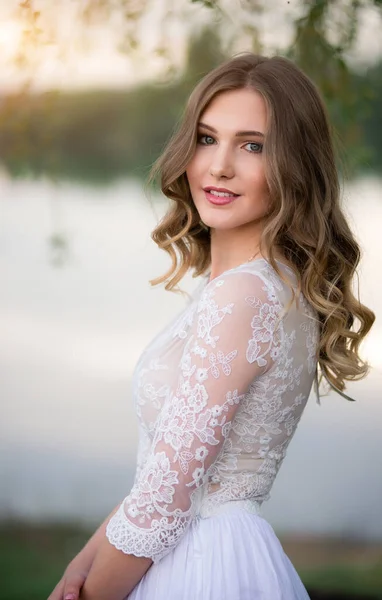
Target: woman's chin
(215,225)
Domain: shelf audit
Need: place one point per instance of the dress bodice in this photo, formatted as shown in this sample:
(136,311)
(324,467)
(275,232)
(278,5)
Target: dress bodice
(218,396)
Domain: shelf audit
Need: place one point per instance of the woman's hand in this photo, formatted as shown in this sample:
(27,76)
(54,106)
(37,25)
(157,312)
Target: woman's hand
(70,585)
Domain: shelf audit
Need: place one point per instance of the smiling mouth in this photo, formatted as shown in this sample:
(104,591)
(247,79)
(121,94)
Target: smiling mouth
(222,194)
(219,198)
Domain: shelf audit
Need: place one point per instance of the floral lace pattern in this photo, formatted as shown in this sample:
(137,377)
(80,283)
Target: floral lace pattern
(218,397)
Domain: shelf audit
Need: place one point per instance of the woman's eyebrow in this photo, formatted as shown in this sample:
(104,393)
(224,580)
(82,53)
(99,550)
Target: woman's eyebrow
(237,134)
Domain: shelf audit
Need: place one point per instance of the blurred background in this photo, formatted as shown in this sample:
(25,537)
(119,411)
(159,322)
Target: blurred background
(90,91)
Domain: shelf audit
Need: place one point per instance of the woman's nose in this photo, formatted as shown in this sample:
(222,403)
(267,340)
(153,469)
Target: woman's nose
(221,164)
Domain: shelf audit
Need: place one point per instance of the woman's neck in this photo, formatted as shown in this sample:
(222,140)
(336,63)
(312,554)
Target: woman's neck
(232,248)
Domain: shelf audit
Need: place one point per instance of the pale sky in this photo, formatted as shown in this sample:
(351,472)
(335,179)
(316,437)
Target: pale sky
(88,57)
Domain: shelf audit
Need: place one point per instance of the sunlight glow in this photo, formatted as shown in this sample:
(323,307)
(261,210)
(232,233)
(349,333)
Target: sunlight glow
(10,36)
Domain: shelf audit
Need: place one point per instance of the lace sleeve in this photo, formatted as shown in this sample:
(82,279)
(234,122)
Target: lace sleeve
(142,451)
(232,340)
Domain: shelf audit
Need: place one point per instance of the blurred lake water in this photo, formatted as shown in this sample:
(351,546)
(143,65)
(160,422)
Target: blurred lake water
(73,322)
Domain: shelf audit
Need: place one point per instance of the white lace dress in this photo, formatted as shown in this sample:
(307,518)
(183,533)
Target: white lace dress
(218,395)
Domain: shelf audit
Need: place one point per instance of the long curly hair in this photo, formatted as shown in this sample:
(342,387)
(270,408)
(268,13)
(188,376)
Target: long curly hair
(305,219)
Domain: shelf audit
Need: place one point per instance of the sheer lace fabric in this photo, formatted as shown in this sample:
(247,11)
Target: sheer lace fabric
(218,395)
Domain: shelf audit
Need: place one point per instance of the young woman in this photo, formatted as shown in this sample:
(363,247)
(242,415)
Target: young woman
(219,393)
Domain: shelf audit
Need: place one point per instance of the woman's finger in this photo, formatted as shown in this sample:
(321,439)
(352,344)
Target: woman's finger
(73,585)
(58,591)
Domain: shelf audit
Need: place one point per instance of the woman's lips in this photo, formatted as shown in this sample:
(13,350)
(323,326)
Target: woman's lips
(219,200)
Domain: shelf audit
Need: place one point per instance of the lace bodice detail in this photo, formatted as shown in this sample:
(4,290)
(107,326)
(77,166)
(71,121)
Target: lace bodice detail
(218,395)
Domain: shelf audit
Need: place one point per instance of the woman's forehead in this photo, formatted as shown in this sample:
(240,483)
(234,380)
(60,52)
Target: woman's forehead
(236,110)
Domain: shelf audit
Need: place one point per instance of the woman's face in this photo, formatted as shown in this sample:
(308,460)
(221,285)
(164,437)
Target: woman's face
(226,174)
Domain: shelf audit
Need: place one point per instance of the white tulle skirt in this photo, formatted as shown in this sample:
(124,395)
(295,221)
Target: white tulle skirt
(235,555)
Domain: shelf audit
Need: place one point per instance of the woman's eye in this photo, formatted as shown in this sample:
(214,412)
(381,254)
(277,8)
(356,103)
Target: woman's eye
(254,147)
(207,140)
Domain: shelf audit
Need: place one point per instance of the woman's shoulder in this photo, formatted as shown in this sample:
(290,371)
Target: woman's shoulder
(259,282)
(254,276)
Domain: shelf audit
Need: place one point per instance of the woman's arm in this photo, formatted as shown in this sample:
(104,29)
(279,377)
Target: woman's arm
(231,342)
(77,570)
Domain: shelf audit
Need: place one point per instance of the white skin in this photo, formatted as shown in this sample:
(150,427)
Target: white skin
(231,133)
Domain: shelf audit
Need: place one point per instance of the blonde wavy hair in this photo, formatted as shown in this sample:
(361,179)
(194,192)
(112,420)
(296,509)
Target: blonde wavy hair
(305,219)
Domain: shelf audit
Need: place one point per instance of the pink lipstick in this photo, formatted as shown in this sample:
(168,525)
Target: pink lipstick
(219,196)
